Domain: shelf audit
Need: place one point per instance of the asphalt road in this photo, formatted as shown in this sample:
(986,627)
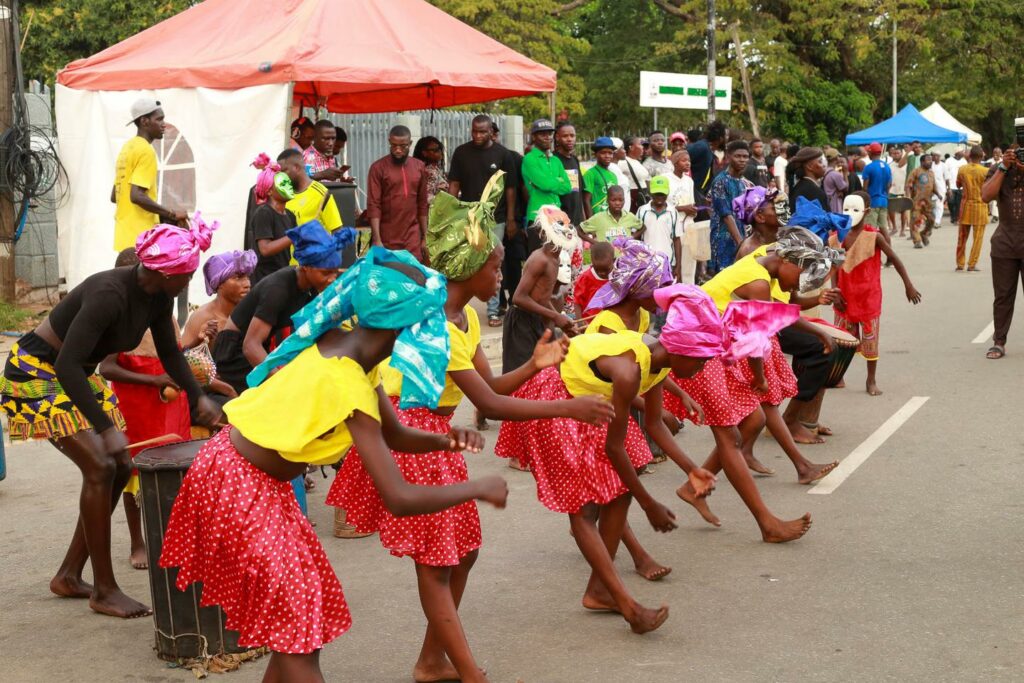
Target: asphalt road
(911,572)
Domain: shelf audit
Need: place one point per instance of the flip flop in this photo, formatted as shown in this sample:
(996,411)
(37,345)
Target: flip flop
(494,322)
(995,352)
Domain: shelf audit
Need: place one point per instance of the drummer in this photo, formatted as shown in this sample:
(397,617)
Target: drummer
(796,262)
(50,390)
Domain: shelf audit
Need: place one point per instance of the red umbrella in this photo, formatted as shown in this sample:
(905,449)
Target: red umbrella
(352,56)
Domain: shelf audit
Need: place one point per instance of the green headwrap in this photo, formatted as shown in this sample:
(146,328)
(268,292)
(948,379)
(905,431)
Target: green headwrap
(460,236)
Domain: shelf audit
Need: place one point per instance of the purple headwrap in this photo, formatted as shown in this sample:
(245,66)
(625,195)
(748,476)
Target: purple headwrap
(753,198)
(222,267)
(693,327)
(637,273)
(171,250)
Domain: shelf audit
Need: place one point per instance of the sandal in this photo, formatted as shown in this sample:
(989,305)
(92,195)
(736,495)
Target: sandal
(494,321)
(995,352)
(342,529)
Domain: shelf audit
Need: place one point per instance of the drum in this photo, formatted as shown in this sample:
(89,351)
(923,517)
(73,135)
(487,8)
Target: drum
(184,630)
(844,347)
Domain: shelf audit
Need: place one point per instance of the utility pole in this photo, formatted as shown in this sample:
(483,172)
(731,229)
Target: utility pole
(711,60)
(894,66)
(755,127)
(7,47)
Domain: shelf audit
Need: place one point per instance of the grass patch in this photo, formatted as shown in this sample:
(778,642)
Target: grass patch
(15,318)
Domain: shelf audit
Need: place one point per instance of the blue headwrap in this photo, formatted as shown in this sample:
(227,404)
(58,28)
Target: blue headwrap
(317,248)
(382,298)
(810,215)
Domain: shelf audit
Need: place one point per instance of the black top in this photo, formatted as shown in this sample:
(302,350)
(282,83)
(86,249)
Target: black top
(805,187)
(268,224)
(757,172)
(853,183)
(473,166)
(572,203)
(108,313)
(702,165)
(274,300)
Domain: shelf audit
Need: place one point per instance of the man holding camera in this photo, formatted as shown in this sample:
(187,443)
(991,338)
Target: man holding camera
(1005,185)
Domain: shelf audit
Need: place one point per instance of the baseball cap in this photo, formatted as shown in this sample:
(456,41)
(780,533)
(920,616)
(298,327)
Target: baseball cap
(659,185)
(142,107)
(677,136)
(831,153)
(875,148)
(617,142)
(603,142)
(542,126)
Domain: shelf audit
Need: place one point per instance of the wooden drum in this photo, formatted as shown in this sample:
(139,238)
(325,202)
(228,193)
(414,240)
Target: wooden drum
(844,348)
(184,630)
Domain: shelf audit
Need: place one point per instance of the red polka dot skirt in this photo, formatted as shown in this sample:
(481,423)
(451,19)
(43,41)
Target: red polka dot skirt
(777,373)
(720,390)
(439,539)
(637,448)
(241,533)
(565,456)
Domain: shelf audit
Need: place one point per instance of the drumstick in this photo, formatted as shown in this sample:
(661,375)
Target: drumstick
(155,440)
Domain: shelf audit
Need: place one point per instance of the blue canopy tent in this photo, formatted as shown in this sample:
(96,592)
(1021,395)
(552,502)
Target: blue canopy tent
(907,126)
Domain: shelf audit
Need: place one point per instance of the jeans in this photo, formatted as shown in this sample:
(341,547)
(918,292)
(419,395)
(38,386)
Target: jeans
(495,301)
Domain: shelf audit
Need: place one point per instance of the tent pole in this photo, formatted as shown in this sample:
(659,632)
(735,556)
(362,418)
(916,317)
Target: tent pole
(287,114)
(552,102)
(711,60)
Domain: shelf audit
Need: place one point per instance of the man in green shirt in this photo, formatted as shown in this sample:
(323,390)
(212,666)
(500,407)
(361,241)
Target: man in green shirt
(544,176)
(615,222)
(598,179)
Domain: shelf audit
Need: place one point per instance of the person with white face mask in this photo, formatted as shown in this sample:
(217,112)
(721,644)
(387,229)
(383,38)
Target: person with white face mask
(860,281)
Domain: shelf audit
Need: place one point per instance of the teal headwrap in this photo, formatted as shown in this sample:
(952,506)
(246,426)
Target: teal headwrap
(382,298)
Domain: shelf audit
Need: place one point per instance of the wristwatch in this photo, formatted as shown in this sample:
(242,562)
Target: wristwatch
(1002,168)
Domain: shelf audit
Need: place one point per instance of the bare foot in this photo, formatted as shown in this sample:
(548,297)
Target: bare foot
(757,466)
(873,389)
(600,601)
(70,587)
(651,570)
(815,472)
(480,422)
(647,620)
(783,532)
(117,604)
(700,504)
(824,430)
(802,434)
(841,385)
(138,558)
(436,672)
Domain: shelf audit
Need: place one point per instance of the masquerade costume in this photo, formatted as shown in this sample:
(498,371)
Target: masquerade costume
(266,223)
(49,393)
(240,531)
(860,281)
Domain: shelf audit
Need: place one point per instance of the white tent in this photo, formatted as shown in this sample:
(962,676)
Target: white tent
(940,117)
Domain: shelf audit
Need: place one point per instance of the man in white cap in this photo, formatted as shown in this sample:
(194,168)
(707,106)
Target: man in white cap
(135,174)
(622,181)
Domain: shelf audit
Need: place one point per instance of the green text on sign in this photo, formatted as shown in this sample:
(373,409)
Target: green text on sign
(692,92)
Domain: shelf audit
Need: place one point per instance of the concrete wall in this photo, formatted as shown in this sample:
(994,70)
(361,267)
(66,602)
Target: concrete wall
(35,254)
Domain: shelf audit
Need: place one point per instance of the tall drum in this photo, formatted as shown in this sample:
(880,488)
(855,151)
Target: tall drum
(184,630)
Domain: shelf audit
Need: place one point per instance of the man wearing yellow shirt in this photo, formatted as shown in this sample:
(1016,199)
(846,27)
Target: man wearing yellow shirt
(134,190)
(312,199)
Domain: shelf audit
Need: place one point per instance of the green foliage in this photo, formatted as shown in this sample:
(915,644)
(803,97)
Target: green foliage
(13,318)
(61,31)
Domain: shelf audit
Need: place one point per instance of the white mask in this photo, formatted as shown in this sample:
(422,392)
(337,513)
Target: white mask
(853,206)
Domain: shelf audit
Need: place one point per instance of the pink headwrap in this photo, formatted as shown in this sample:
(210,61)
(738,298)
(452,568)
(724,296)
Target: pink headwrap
(172,250)
(693,327)
(265,180)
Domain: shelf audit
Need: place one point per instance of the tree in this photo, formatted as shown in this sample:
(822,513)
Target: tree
(61,32)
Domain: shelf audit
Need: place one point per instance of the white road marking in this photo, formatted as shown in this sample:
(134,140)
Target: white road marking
(871,444)
(986,334)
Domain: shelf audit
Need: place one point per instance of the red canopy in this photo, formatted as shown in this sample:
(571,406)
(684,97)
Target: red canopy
(352,56)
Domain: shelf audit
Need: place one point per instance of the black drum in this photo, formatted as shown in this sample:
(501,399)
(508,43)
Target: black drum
(184,630)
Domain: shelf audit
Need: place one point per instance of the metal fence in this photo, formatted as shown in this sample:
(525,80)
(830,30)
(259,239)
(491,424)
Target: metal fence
(368,134)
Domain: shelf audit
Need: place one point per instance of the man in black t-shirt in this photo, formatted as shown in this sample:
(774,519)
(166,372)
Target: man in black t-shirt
(472,165)
(565,146)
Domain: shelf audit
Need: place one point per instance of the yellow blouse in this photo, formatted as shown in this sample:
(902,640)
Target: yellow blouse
(300,411)
(579,376)
(613,321)
(722,286)
(463,345)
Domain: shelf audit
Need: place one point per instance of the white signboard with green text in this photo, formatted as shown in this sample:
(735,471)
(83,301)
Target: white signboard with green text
(683,91)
